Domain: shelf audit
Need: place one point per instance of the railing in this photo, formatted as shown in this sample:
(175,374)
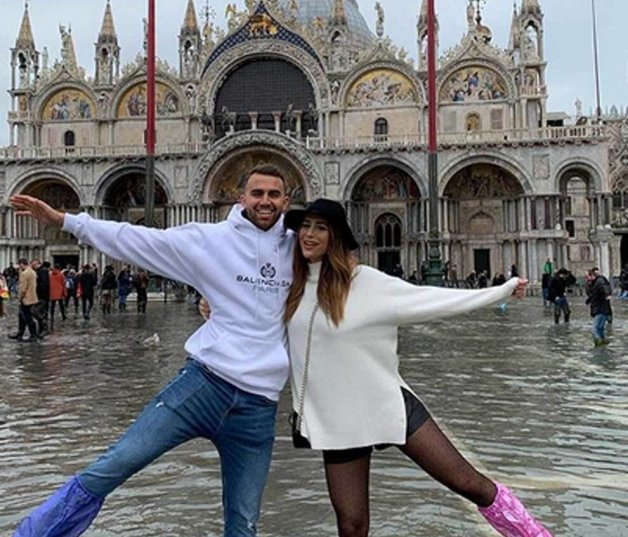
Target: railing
(15,152)
(545,134)
(377,142)
(362,142)
(556,134)
(534,91)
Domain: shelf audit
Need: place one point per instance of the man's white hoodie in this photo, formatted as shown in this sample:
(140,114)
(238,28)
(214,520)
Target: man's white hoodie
(243,271)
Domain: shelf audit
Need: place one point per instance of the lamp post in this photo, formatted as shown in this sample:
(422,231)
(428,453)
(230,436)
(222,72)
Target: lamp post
(435,266)
(149,199)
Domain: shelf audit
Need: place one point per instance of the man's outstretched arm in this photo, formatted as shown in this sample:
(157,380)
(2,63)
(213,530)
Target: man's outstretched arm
(166,252)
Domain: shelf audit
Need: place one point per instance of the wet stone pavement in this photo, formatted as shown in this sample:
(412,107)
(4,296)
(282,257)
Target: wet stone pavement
(533,404)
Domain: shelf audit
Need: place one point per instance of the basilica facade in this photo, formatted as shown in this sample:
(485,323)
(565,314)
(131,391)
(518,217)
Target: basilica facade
(306,85)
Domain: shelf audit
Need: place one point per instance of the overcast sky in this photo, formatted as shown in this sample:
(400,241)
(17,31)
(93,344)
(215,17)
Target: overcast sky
(568,37)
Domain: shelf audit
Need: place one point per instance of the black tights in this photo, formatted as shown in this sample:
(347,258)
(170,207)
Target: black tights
(429,448)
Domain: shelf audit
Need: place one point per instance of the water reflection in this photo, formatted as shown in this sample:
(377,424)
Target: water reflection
(531,403)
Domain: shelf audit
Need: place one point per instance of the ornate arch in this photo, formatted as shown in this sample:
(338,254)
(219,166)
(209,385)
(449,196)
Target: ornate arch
(361,169)
(202,176)
(467,69)
(619,180)
(35,175)
(138,80)
(70,101)
(218,71)
(573,165)
(497,159)
(384,67)
(120,170)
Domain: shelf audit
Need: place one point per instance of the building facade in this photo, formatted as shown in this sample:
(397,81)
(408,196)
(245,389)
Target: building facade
(306,85)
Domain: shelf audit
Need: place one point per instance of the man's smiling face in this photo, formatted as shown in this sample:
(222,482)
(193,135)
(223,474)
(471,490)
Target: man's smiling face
(264,200)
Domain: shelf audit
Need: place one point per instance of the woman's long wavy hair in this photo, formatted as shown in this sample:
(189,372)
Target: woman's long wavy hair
(334,282)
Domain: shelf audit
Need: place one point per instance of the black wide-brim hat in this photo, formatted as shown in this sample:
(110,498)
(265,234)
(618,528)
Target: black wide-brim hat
(332,211)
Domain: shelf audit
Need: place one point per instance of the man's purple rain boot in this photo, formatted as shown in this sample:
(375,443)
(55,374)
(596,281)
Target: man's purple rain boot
(67,513)
(509,516)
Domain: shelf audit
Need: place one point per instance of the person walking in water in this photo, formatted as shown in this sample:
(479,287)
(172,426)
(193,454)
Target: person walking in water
(27,295)
(347,394)
(227,392)
(558,295)
(599,293)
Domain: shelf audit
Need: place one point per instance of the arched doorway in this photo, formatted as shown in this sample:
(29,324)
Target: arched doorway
(576,188)
(385,212)
(481,201)
(223,185)
(60,247)
(388,242)
(124,199)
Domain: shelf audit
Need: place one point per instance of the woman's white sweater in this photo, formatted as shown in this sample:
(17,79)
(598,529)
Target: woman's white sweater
(352,395)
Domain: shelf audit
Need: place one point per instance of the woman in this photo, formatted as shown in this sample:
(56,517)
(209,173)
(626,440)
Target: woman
(347,393)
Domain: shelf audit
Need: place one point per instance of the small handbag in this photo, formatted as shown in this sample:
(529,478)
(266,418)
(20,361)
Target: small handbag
(298,440)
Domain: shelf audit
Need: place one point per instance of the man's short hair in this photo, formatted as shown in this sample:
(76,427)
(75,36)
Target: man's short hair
(263,169)
(22,261)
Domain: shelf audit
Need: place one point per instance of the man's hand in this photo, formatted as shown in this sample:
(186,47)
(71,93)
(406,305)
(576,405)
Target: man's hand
(203,308)
(38,209)
(520,290)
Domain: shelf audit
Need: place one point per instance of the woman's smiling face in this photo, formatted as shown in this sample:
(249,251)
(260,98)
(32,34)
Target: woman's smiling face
(314,238)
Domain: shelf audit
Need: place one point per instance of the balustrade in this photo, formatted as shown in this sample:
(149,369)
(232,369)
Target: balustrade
(546,134)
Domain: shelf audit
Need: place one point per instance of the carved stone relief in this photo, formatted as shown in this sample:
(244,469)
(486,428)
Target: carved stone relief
(332,173)
(249,139)
(541,167)
(181,176)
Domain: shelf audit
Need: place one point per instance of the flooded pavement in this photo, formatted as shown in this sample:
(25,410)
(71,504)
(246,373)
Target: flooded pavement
(533,404)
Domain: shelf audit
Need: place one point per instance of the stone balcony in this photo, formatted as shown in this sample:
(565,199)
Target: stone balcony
(540,136)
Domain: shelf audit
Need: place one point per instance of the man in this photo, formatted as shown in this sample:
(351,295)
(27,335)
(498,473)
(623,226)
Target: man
(11,274)
(229,388)
(140,281)
(623,283)
(108,287)
(40,310)
(453,276)
(599,293)
(27,295)
(557,294)
(58,293)
(87,281)
(124,287)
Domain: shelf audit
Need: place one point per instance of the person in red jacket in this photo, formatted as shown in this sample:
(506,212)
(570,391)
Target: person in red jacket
(57,294)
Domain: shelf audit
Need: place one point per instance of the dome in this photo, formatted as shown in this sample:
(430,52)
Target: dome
(309,10)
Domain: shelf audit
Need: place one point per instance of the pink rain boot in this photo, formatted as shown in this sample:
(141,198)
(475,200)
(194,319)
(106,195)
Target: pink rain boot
(510,518)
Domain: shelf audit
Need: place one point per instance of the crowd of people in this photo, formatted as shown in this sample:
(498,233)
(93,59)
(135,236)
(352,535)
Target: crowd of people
(41,290)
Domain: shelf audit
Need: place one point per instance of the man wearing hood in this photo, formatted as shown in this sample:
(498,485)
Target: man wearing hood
(238,362)
(599,300)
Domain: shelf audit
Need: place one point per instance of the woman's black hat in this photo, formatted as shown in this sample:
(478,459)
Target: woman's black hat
(330,210)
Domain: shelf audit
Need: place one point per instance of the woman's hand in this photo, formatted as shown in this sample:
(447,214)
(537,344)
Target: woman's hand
(520,290)
(204,309)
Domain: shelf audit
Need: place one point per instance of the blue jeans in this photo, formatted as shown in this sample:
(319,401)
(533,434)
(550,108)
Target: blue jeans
(599,326)
(196,403)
